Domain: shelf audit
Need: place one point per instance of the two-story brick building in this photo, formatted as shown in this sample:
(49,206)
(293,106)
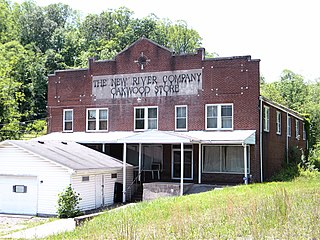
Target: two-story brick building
(175,115)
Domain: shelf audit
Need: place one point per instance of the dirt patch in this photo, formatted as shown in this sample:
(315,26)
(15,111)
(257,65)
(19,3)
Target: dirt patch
(9,224)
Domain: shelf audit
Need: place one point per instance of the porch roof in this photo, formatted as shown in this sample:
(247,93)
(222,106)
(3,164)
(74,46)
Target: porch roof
(157,137)
(223,137)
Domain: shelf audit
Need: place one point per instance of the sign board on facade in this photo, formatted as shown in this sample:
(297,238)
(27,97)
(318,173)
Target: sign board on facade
(152,84)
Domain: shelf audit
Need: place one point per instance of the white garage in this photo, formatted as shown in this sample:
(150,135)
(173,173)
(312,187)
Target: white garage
(33,173)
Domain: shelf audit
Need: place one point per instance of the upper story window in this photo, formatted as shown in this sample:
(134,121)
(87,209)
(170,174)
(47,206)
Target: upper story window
(266,118)
(97,119)
(289,126)
(297,129)
(181,119)
(219,116)
(68,120)
(278,122)
(145,118)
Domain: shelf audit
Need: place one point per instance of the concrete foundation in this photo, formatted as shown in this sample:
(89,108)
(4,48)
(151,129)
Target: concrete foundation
(163,189)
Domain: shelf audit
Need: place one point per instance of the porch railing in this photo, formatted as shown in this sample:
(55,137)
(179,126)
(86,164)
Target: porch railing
(134,185)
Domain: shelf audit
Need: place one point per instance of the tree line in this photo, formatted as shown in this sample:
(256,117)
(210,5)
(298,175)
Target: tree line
(35,41)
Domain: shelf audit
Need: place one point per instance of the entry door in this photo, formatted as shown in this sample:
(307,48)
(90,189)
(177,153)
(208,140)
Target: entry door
(188,164)
(18,194)
(99,191)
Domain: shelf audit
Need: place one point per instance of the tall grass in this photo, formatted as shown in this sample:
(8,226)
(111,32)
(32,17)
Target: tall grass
(278,210)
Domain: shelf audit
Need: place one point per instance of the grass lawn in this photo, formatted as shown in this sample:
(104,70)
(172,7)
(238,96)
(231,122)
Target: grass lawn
(276,210)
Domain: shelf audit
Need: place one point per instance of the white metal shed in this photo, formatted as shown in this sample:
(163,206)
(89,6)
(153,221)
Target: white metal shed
(33,173)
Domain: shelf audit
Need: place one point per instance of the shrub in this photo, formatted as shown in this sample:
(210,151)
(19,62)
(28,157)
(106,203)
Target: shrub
(68,202)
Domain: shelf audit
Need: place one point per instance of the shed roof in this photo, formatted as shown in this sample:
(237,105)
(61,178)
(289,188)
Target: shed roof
(70,154)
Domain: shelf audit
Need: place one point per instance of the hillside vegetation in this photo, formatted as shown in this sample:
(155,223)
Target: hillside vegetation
(276,210)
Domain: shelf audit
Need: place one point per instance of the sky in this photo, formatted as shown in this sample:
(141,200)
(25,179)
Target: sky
(283,34)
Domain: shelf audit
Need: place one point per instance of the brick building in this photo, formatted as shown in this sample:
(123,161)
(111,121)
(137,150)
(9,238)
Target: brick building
(171,115)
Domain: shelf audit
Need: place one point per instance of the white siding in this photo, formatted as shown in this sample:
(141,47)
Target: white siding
(108,189)
(52,179)
(87,191)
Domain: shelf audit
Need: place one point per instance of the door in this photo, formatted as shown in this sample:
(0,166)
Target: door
(188,164)
(99,191)
(19,194)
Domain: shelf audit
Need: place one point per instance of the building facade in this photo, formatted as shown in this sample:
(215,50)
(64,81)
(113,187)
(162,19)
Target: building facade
(175,115)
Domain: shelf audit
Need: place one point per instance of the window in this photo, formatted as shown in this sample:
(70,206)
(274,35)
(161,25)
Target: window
(297,130)
(68,120)
(278,122)
(145,118)
(97,119)
(266,118)
(85,178)
(224,159)
(289,126)
(19,189)
(304,134)
(219,116)
(114,175)
(181,118)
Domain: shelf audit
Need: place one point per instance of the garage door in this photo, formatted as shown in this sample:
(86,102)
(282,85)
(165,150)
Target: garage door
(18,194)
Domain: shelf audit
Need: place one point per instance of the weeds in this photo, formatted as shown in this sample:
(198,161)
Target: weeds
(278,210)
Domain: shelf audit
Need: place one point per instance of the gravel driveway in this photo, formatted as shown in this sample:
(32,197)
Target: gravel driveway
(11,223)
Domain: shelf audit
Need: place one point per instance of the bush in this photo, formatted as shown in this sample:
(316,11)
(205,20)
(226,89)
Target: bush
(68,203)
(314,156)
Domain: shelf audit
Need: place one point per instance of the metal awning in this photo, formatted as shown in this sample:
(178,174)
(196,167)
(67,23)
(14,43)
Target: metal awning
(157,137)
(223,137)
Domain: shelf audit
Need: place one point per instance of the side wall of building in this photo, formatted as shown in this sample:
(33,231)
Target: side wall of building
(281,145)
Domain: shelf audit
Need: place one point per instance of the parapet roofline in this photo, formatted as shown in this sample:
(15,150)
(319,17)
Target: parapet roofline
(67,70)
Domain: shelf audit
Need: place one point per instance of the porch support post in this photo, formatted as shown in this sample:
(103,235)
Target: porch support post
(140,158)
(124,168)
(182,165)
(103,147)
(245,163)
(200,167)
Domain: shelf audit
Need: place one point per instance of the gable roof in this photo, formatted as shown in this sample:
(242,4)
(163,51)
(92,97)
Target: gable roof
(69,154)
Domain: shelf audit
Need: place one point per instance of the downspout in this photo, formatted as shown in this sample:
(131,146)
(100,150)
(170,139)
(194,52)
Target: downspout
(287,140)
(245,163)
(260,136)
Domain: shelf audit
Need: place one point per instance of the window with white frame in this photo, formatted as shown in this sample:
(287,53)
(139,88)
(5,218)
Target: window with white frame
(224,159)
(145,118)
(219,116)
(266,118)
(68,120)
(278,122)
(181,118)
(297,129)
(97,119)
(304,134)
(289,126)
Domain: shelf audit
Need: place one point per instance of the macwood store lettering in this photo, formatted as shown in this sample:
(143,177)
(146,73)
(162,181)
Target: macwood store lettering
(147,84)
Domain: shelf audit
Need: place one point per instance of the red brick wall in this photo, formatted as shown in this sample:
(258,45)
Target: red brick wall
(275,145)
(225,80)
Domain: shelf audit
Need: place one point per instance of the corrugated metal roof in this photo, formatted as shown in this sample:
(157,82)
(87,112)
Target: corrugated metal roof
(158,137)
(223,137)
(70,154)
(87,137)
